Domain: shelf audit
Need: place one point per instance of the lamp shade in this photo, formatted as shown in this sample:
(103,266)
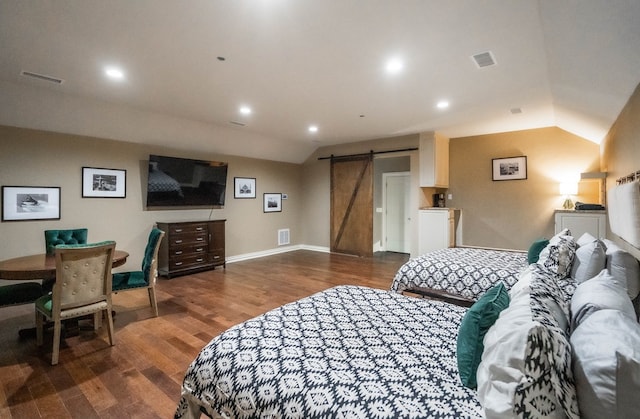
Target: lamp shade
(569,188)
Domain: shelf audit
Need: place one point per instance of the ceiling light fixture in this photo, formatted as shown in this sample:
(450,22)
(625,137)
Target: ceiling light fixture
(114,73)
(245,110)
(313,128)
(394,66)
(443,104)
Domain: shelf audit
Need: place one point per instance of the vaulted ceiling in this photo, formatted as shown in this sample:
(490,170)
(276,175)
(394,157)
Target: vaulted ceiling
(187,68)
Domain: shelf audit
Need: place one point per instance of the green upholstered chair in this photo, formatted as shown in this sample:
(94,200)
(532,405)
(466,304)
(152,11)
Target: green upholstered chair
(145,278)
(52,238)
(82,287)
(20,293)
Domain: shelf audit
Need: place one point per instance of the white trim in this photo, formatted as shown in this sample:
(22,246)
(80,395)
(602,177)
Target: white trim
(269,252)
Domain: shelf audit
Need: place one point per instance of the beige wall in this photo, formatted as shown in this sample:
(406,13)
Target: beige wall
(511,214)
(621,151)
(37,158)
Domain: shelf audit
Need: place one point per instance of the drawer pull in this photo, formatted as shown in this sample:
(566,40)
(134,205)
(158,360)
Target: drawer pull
(199,228)
(178,241)
(199,260)
(216,257)
(178,252)
(199,249)
(200,239)
(178,230)
(178,263)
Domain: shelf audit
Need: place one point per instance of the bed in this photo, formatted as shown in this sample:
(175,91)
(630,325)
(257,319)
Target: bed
(459,274)
(349,351)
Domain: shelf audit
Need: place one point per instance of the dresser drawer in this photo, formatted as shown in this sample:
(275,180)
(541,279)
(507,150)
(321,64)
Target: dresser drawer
(216,256)
(187,262)
(188,240)
(188,228)
(180,252)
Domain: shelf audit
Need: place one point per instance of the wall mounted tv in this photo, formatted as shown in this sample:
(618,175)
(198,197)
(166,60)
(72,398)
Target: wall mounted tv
(177,182)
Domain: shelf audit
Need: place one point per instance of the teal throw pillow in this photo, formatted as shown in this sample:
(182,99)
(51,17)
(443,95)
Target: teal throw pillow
(475,324)
(534,250)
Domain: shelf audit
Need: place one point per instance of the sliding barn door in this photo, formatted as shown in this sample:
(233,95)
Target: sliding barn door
(352,205)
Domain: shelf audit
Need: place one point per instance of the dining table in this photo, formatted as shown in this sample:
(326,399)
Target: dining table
(43,266)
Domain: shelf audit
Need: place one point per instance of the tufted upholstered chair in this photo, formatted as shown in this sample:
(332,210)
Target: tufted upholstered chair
(145,278)
(52,238)
(82,287)
(20,293)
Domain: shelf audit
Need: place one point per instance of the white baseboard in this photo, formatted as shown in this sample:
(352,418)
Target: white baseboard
(269,252)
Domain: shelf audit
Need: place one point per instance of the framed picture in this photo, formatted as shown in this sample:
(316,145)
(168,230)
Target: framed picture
(510,168)
(272,202)
(21,203)
(244,187)
(103,183)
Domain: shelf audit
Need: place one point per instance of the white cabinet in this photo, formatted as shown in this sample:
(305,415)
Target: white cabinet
(580,222)
(434,160)
(437,229)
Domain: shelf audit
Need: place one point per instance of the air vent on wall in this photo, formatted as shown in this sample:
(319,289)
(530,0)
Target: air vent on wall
(484,59)
(283,236)
(240,124)
(42,77)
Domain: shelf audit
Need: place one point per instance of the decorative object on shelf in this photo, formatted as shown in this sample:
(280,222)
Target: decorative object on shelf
(510,168)
(567,189)
(104,183)
(21,203)
(272,202)
(244,187)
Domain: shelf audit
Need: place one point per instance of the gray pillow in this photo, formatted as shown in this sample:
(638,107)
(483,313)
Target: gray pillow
(606,365)
(624,268)
(599,293)
(589,260)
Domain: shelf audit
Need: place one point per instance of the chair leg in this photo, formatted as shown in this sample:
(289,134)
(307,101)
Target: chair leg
(97,320)
(112,340)
(39,326)
(153,300)
(57,325)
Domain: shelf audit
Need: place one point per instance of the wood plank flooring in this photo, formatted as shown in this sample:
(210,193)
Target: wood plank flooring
(140,376)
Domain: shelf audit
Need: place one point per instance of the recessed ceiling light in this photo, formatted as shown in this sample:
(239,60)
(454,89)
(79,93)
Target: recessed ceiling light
(443,104)
(114,73)
(394,66)
(245,110)
(313,128)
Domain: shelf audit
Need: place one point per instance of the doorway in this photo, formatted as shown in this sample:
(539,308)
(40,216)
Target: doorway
(396,212)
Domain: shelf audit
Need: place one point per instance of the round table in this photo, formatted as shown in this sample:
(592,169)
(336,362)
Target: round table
(42,266)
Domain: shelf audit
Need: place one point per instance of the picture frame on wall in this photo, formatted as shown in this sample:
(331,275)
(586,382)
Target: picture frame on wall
(98,182)
(22,203)
(272,202)
(510,168)
(244,187)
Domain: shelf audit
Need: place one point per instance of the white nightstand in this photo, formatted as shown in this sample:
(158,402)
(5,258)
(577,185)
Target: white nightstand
(593,222)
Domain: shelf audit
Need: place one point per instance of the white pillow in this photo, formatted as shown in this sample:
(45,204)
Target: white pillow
(589,260)
(606,365)
(599,293)
(624,268)
(586,238)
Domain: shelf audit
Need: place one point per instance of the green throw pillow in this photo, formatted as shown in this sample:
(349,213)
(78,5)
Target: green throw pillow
(475,324)
(535,249)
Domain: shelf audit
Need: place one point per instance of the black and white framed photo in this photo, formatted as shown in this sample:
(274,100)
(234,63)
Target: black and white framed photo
(104,183)
(244,187)
(272,202)
(510,168)
(21,203)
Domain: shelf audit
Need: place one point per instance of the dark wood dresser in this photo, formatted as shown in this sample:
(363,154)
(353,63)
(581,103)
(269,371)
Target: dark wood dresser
(191,246)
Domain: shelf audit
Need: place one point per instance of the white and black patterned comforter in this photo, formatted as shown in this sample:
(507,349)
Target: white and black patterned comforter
(460,271)
(349,351)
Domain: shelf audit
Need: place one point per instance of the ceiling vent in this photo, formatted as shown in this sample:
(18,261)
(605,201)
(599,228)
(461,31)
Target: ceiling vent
(484,59)
(44,77)
(240,124)
(515,111)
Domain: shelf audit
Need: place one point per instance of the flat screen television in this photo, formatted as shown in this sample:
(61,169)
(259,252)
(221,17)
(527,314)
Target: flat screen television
(178,182)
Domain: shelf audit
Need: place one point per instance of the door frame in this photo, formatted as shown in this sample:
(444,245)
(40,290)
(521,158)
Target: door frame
(383,231)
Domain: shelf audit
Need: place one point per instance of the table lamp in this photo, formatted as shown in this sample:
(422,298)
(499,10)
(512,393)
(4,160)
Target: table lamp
(567,189)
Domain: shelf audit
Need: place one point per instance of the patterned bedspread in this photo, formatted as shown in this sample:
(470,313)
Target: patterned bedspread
(460,271)
(349,351)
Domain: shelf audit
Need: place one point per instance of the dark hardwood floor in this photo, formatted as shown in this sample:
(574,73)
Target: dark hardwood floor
(140,376)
